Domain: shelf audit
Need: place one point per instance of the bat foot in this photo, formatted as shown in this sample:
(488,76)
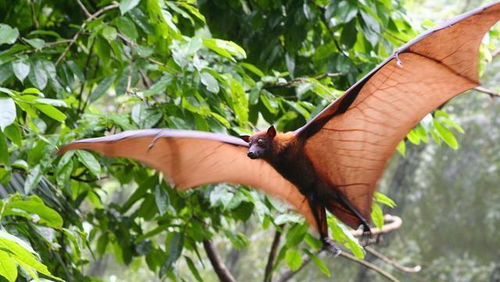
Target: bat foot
(331,247)
(366,236)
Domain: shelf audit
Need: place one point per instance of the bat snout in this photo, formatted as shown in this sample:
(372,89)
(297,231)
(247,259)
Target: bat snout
(252,155)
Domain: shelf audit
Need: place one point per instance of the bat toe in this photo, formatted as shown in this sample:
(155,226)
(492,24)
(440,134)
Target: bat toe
(331,247)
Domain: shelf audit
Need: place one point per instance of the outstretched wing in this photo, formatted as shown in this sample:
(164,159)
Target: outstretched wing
(351,140)
(192,158)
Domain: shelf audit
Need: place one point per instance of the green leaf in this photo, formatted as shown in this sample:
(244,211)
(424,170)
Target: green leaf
(8,267)
(159,86)
(14,134)
(192,9)
(402,147)
(53,102)
(349,32)
(193,268)
(320,264)
(127,27)
(21,69)
(33,178)
(7,112)
(293,259)
(175,243)
(101,88)
(296,234)
(446,135)
(38,75)
(377,215)
(24,255)
(33,208)
(225,48)
(109,33)
(89,161)
(343,235)
(383,199)
(36,43)
(210,82)
(127,5)
(253,69)
(161,199)
(4,150)
(51,111)
(8,35)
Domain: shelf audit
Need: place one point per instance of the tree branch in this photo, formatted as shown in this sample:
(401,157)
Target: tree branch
(268,274)
(369,265)
(393,223)
(292,83)
(485,90)
(495,53)
(84,9)
(82,27)
(219,267)
(80,107)
(392,262)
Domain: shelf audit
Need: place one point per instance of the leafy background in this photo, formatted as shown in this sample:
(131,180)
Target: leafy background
(75,69)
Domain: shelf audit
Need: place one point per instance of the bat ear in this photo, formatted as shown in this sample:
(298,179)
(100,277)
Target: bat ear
(271,132)
(245,138)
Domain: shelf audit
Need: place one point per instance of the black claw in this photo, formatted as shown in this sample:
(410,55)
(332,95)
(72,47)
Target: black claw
(366,236)
(331,247)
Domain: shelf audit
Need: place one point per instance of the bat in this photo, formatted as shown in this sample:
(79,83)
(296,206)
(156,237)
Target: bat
(334,161)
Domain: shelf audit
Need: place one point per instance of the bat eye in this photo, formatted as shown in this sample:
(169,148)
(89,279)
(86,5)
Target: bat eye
(260,142)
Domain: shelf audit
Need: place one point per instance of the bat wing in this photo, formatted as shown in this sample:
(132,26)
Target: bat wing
(351,140)
(193,158)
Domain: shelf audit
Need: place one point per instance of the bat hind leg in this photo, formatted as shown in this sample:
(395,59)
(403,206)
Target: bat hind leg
(320,216)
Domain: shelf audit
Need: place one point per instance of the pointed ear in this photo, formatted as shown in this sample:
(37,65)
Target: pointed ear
(245,138)
(271,132)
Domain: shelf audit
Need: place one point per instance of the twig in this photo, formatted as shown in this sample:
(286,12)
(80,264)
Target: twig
(485,90)
(145,79)
(46,45)
(268,274)
(299,80)
(85,11)
(495,53)
(128,41)
(33,13)
(307,259)
(392,262)
(219,267)
(82,27)
(75,177)
(85,74)
(370,266)
(129,81)
(394,222)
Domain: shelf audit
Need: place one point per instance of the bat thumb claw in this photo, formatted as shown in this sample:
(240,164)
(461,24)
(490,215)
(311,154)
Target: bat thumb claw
(153,142)
(398,60)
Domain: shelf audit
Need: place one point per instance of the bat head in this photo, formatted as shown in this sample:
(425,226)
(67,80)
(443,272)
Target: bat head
(260,144)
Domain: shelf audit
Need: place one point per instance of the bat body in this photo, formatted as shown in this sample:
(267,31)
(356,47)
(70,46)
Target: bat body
(285,153)
(334,161)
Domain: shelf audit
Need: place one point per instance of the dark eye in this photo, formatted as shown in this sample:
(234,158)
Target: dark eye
(260,142)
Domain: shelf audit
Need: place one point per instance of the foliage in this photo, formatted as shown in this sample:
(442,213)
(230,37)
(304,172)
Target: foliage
(75,69)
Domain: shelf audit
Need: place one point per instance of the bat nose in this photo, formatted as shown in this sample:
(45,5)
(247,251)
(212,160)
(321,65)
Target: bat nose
(252,155)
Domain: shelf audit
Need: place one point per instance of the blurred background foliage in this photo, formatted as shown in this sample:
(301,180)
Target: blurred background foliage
(75,69)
